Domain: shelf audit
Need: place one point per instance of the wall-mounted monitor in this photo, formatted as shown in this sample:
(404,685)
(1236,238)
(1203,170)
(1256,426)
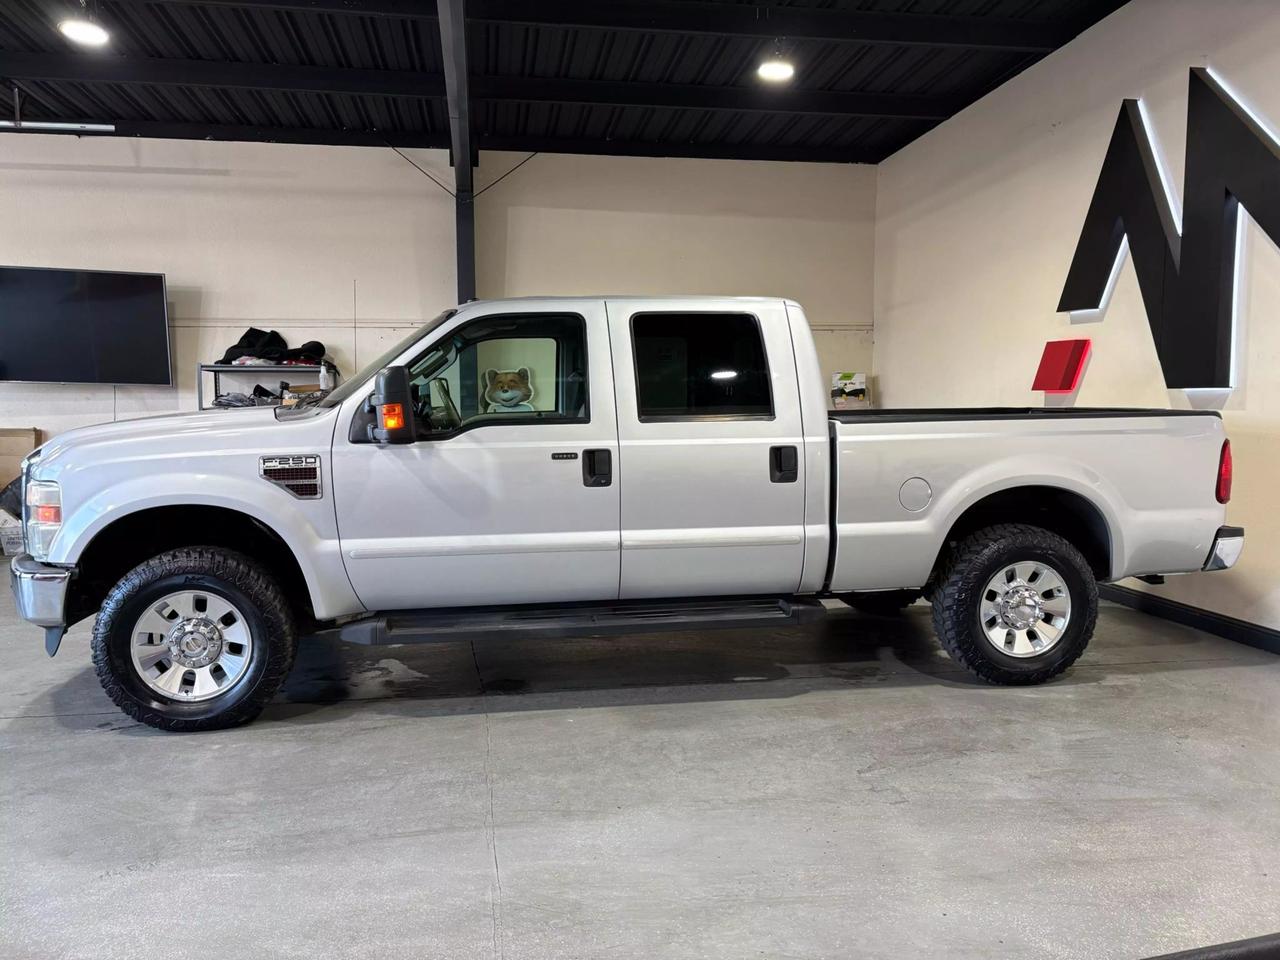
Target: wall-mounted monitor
(83,326)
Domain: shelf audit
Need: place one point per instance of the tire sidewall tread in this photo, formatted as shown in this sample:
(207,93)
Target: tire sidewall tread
(966,573)
(230,574)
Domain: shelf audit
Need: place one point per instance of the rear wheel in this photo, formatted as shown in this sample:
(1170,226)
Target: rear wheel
(195,639)
(1015,604)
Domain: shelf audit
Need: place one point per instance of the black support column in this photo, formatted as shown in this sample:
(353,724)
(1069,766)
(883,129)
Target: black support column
(453,38)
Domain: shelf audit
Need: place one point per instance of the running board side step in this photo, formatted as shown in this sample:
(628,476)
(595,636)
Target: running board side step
(574,620)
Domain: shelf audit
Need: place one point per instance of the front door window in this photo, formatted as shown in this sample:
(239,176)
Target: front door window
(505,369)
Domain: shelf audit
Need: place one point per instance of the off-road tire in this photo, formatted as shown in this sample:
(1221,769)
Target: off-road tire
(883,603)
(236,578)
(964,576)
(11,498)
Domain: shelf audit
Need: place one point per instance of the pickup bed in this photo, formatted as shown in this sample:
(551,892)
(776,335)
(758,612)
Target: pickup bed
(593,465)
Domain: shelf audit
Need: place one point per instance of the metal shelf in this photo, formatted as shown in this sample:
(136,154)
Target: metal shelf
(218,369)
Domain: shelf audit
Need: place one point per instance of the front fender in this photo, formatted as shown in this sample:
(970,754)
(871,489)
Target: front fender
(318,556)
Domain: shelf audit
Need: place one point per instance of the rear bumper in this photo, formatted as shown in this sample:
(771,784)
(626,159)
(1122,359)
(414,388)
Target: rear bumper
(40,591)
(1228,543)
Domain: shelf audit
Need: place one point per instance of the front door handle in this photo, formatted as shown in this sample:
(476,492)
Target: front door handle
(784,464)
(597,468)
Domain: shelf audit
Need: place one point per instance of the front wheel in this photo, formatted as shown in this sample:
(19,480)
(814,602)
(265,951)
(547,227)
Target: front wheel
(1015,604)
(199,638)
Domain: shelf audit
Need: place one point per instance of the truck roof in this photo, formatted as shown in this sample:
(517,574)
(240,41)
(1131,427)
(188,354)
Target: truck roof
(698,297)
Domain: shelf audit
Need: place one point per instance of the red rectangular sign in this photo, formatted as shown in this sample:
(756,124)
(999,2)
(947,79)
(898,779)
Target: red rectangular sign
(1061,365)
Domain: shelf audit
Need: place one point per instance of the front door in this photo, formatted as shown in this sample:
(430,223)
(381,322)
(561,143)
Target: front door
(512,493)
(710,438)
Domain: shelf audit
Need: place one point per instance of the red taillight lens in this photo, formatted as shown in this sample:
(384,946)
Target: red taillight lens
(46,513)
(1223,491)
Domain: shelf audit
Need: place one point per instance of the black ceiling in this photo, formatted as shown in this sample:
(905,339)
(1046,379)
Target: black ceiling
(624,77)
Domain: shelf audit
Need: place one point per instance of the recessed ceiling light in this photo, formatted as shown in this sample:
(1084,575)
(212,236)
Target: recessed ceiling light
(83,31)
(776,70)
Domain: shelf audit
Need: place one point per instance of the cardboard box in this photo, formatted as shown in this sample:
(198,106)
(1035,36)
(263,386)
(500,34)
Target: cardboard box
(14,445)
(10,534)
(849,391)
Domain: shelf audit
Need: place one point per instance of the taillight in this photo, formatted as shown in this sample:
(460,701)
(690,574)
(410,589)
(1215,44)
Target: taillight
(1223,491)
(46,513)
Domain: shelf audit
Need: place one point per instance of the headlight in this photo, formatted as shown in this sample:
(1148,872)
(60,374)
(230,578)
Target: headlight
(42,517)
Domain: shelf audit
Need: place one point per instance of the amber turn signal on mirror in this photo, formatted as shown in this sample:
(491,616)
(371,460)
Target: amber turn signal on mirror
(392,416)
(390,407)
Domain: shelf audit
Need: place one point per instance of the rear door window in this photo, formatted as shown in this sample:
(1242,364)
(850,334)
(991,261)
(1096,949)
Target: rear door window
(695,366)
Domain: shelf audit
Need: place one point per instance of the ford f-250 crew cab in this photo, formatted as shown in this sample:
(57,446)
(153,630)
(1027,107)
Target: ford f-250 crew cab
(585,466)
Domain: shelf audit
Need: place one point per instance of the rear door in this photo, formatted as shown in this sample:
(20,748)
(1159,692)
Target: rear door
(709,432)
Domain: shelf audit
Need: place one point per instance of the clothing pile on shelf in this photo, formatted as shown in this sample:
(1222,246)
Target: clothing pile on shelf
(268,348)
(261,397)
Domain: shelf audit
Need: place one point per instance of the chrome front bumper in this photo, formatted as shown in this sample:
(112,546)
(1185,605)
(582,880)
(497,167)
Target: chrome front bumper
(1228,543)
(40,592)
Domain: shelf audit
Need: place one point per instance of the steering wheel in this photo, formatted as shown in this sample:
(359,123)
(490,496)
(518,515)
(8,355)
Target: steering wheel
(452,418)
(422,405)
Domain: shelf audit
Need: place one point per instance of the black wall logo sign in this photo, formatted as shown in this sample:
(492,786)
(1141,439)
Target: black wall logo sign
(1187,277)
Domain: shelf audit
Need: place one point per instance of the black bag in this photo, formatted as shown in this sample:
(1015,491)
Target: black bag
(266,345)
(311,352)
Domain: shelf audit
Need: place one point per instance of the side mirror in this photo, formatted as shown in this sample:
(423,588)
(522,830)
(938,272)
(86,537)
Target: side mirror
(392,407)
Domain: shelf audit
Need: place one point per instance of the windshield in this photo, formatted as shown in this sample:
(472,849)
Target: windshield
(360,379)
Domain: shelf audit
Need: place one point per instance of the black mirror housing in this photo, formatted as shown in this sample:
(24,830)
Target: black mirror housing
(392,407)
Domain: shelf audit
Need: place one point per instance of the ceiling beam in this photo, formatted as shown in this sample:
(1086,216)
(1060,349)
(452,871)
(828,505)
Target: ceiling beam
(250,133)
(766,23)
(717,19)
(208,73)
(398,9)
(644,148)
(147,129)
(755,99)
(453,42)
(390,83)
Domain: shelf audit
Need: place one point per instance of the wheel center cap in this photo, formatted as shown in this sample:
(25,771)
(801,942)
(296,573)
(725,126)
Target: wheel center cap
(195,642)
(1020,607)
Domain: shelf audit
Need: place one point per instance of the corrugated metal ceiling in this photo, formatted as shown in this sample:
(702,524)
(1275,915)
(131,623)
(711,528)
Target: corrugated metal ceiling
(662,76)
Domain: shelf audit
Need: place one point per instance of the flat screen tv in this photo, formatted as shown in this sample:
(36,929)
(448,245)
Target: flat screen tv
(83,326)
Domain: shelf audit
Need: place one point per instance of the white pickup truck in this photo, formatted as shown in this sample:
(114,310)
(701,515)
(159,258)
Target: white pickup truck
(587,466)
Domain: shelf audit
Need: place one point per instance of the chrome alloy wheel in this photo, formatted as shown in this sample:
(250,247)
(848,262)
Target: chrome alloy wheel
(1025,609)
(190,646)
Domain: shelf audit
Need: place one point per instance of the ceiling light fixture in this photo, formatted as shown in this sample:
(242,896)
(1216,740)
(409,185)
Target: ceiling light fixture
(84,28)
(84,32)
(776,69)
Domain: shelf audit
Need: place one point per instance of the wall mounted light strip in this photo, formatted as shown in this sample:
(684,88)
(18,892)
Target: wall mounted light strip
(57,125)
(1162,168)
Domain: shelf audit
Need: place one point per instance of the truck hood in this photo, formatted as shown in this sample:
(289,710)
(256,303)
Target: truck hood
(155,436)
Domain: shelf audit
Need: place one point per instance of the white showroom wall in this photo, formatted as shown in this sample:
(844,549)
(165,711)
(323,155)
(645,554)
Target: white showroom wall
(637,225)
(344,245)
(352,246)
(977,223)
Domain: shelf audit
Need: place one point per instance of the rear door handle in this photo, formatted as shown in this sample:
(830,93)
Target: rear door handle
(784,464)
(597,468)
